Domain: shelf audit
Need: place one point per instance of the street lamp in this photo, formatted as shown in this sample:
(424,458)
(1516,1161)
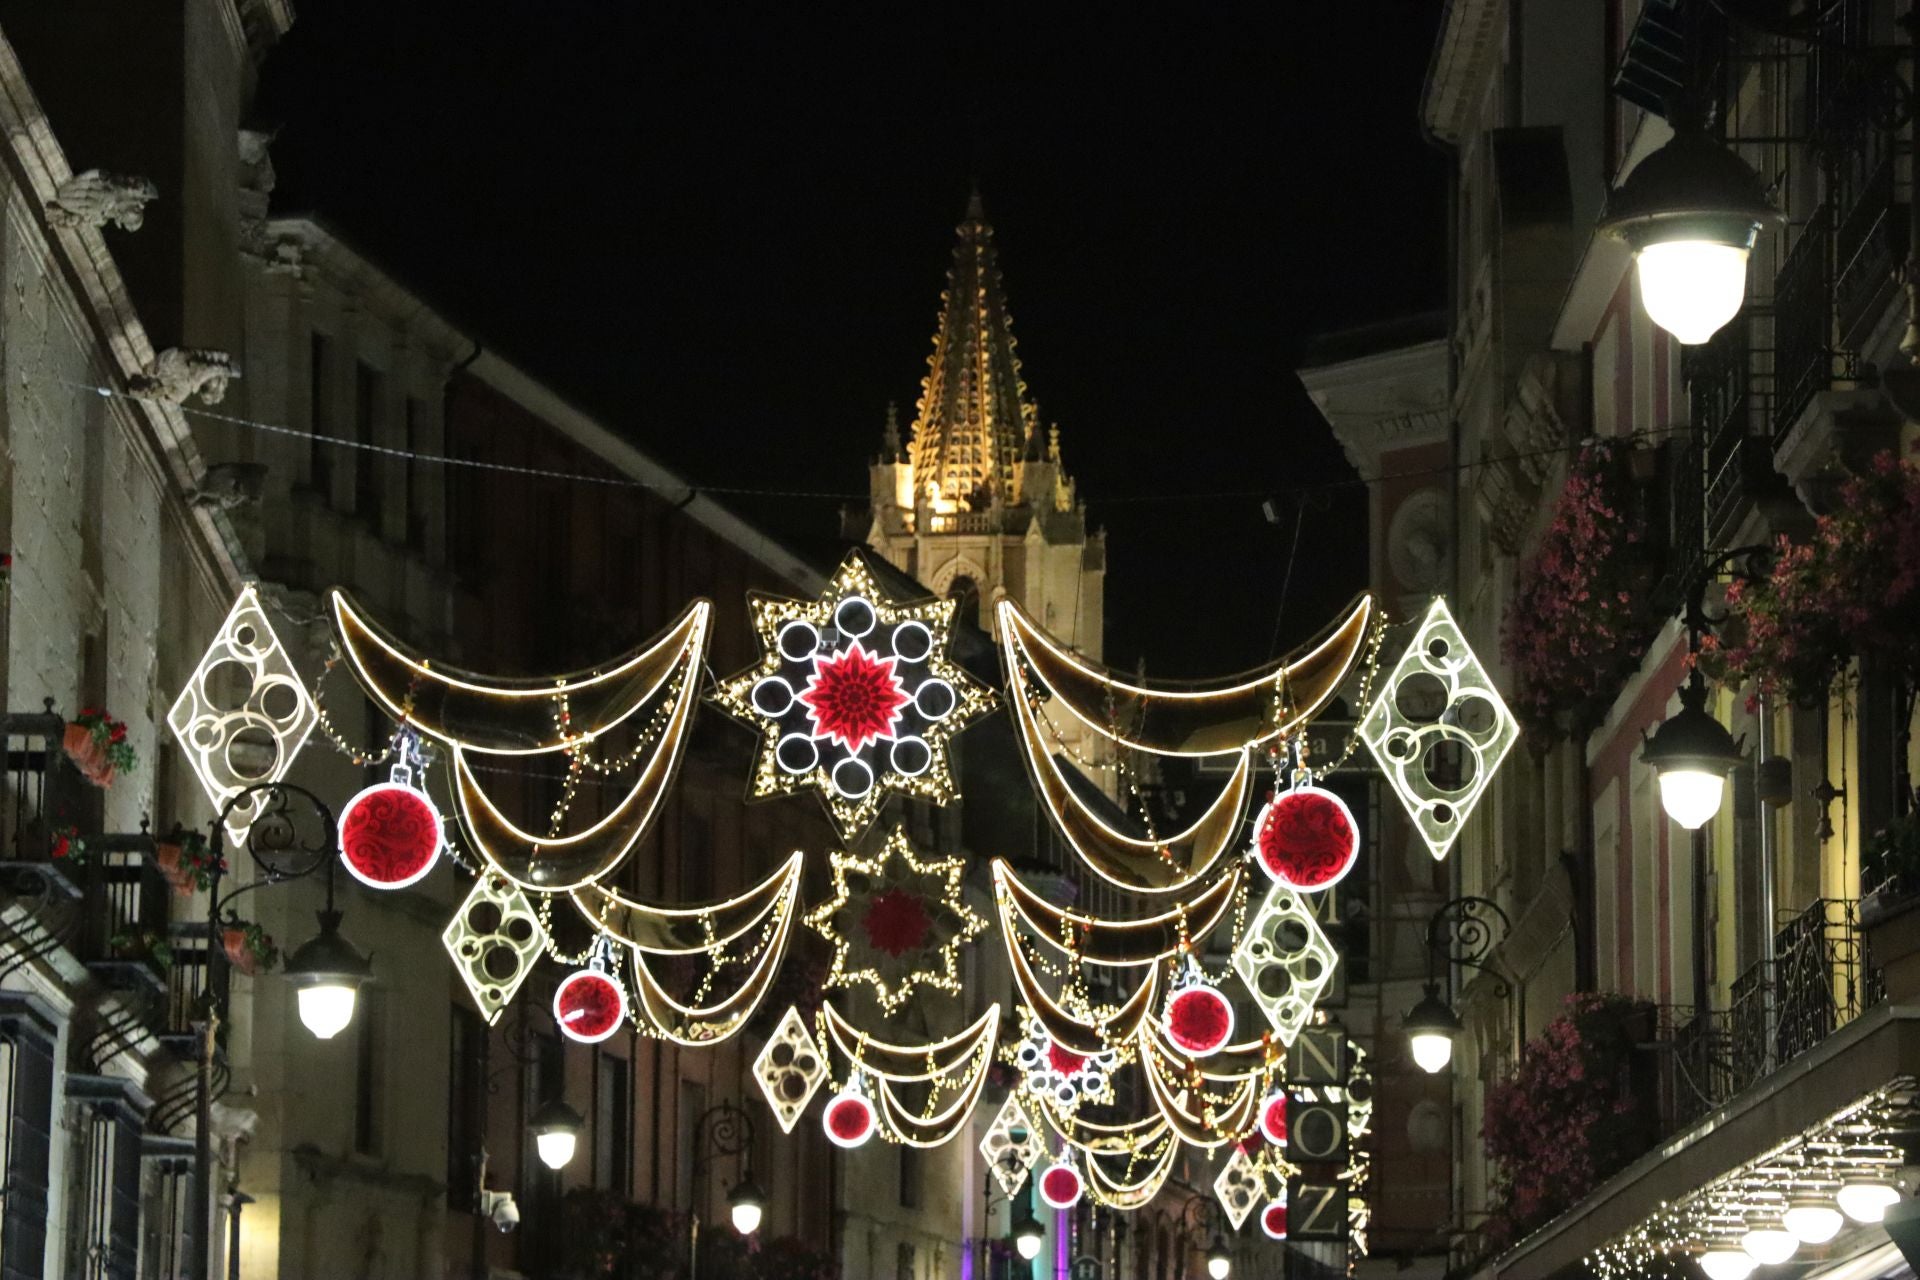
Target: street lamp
(1431,1026)
(327,972)
(556,1133)
(746,1205)
(1219,1261)
(1463,931)
(1692,753)
(1690,212)
(1027,1235)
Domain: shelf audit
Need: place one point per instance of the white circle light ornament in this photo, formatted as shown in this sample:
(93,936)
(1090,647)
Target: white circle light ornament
(1690,212)
(390,833)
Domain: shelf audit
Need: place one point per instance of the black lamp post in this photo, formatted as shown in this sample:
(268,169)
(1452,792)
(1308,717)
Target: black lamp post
(724,1130)
(1464,931)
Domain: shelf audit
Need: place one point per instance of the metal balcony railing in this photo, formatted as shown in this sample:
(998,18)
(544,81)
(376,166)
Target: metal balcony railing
(1868,244)
(1803,321)
(38,790)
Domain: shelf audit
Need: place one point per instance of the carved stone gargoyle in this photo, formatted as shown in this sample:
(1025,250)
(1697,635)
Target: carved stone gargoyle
(179,372)
(94,198)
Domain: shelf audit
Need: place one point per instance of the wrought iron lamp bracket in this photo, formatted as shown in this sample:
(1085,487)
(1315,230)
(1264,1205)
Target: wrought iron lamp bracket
(1466,932)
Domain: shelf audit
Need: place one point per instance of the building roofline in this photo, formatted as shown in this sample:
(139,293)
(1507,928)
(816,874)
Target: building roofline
(337,256)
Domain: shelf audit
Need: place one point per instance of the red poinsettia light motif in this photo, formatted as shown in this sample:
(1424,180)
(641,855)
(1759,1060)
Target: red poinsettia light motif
(897,922)
(589,1005)
(390,835)
(1065,1061)
(1307,838)
(854,698)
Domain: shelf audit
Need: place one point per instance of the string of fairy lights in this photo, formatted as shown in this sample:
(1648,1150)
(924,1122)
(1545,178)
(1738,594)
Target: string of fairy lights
(855,698)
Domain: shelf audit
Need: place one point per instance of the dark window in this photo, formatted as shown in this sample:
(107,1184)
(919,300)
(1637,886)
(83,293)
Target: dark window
(415,427)
(26,1109)
(903,1260)
(367,498)
(612,1096)
(319,451)
(369,1127)
(909,1177)
(466,1106)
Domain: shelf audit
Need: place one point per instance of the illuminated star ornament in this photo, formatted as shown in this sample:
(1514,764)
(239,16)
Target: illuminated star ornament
(896,921)
(854,696)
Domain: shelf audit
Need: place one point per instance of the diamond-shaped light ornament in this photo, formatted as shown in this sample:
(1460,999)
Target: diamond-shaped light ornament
(495,920)
(1285,960)
(1012,1145)
(1242,1184)
(790,1069)
(244,714)
(1439,748)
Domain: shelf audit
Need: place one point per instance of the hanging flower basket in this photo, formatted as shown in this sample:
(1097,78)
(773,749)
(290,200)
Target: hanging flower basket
(97,744)
(250,949)
(188,863)
(65,844)
(142,944)
(1850,591)
(1581,617)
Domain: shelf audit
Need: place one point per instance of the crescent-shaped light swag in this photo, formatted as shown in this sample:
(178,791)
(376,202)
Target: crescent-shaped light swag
(1201,720)
(515,716)
(695,1025)
(682,931)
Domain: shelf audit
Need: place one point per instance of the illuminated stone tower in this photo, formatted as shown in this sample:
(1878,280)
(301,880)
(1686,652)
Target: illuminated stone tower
(976,503)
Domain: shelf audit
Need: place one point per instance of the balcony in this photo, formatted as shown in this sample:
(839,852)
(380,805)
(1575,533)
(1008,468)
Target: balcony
(1732,398)
(1803,355)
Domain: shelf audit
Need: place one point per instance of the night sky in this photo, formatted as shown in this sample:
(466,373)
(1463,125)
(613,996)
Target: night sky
(727,236)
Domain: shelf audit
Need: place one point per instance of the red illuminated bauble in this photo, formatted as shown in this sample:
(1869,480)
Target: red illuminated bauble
(1199,1020)
(1306,838)
(390,835)
(1273,1220)
(1061,1186)
(1273,1118)
(589,1006)
(848,1119)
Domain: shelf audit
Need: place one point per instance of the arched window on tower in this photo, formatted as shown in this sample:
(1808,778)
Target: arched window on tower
(965,594)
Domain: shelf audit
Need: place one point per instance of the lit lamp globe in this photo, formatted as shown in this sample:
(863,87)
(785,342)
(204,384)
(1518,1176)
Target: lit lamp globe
(1693,753)
(1724,1262)
(746,1205)
(1812,1218)
(1769,1244)
(1027,1236)
(1866,1199)
(1431,1026)
(327,973)
(1219,1262)
(556,1133)
(1690,212)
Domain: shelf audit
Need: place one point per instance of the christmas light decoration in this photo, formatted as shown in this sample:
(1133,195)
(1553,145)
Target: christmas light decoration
(1273,1118)
(896,921)
(390,833)
(693,930)
(1285,960)
(493,940)
(589,1004)
(710,1023)
(245,695)
(1197,1018)
(1011,1146)
(790,1069)
(1193,721)
(1122,943)
(1200,1118)
(966,1055)
(1306,837)
(1127,1194)
(1241,1184)
(1172,865)
(1473,720)
(849,1119)
(1060,1075)
(1273,1219)
(1077,1034)
(512,716)
(854,696)
(1060,1185)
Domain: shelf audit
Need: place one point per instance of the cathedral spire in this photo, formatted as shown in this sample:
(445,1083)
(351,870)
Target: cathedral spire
(973,418)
